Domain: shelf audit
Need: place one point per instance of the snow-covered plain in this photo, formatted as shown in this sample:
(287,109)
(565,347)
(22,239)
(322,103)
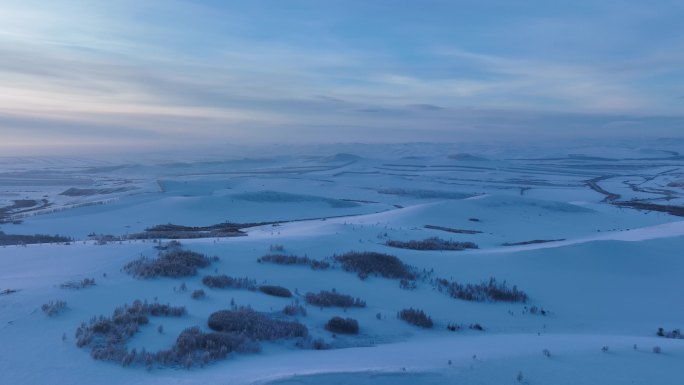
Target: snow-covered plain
(610,276)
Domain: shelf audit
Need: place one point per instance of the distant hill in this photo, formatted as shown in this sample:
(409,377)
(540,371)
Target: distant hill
(467,157)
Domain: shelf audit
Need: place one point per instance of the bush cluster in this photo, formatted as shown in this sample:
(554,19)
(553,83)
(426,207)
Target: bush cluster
(173,263)
(254,325)
(276,291)
(281,259)
(415,317)
(226,282)
(53,308)
(537,310)
(485,291)
(367,263)
(406,284)
(331,298)
(20,239)
(294,309)
(198,294)
(85,282)
(343,325)
(107,337)
(675,333)
(433,243)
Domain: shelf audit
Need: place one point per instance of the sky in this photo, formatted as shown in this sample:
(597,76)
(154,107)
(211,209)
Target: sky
(132,74)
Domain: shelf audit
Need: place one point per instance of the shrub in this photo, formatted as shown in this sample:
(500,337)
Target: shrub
(485,291)
(343,325)
(254,325)
(281,259)
(278,248)
(452,327)
(294,309)
(657,350)
(405,284)
(674,333)
(53,308)
(198,294)
(433,243)
(85,282)
(476,326)
(276,291)
(173,263)
(224,282)
(107,336)
(206,347)
(331,298)
(367,263)
(536,310)
(416,317)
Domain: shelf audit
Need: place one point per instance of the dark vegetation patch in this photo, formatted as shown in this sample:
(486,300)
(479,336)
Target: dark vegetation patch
(532,242)
(535,310)
(415,317)
(452,230)
(255,325)
(670,209)
(369,262)
(171,231)
(476,326)
(454,327)
(406,284)
(342,325)
(8,291)
(233,332)
(675,333)
(107,338)
(53,308)
(80,192)
(491,291)
(226,282)
(433,243)
(18,206)
(18,239)
(294,309)
(173,263)
(281,259)
(332,298)
(198,294)
(82,284)
(276,291)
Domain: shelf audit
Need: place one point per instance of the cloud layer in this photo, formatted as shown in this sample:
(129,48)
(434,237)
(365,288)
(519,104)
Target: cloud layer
(195,72)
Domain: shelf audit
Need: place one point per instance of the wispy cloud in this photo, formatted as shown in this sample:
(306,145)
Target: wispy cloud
(181,71)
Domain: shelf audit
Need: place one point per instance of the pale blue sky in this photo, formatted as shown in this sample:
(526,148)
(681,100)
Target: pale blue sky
(168,72)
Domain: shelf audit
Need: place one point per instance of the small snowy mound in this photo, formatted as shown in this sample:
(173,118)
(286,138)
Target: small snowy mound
(465,157)
(283,197)
(341,157)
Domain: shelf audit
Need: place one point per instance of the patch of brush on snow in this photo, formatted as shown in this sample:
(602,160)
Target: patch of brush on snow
(174,263)
(433,243)
(367,263)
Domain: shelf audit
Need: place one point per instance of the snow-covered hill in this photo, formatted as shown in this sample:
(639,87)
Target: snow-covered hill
(606,276)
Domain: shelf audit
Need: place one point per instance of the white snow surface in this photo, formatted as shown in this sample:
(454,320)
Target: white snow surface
(609,276)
